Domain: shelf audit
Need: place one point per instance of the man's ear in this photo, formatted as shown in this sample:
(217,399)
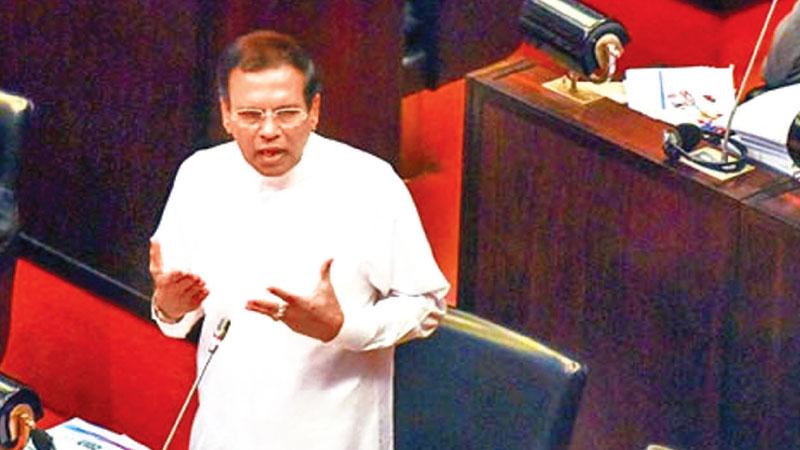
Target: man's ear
(313,111)
(225,110)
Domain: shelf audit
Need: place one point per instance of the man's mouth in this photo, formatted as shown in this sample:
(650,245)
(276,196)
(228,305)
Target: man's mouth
(270,152)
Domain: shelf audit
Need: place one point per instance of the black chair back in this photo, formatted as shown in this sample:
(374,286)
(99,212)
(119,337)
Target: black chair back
(14,119)
(477,385)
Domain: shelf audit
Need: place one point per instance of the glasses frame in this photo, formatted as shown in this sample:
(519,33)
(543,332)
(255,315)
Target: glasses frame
(272,114)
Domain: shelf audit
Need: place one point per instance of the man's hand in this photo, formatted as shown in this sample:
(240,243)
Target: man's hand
(318,316)
(175,293)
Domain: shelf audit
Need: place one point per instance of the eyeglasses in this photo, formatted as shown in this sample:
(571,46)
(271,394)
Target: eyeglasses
(282,117)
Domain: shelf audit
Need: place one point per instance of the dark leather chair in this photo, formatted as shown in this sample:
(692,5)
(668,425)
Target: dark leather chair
(14,119)
(477,385)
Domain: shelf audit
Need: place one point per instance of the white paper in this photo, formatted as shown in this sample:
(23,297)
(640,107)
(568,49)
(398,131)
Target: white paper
(763,124)
(77,434)
(699,95)
(769,115)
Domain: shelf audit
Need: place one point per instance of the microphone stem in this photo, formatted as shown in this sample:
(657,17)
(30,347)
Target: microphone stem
(188,398)
(742,85)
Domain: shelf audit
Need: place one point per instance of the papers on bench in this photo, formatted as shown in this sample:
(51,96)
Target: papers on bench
(699,95)
(704,96)
(763,124)
(77,434)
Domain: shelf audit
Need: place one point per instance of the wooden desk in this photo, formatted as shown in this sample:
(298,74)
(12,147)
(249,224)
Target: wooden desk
(574,230)
(764,347)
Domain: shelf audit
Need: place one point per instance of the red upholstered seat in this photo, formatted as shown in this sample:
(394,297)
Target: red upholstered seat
(50,419)
(89,358)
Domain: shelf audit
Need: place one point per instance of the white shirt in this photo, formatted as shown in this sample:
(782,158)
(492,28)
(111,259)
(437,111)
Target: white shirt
(267,386)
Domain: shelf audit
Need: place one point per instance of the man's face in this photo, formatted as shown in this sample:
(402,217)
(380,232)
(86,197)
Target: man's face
(269,147)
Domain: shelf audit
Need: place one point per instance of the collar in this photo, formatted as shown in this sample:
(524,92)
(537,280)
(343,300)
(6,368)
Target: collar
(292,177)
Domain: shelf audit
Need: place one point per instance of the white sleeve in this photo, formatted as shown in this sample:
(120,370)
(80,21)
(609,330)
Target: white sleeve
(392,320)
(403,270)
(180,328)
(175,248)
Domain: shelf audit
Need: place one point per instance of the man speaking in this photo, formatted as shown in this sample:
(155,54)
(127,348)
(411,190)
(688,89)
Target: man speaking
(312,248)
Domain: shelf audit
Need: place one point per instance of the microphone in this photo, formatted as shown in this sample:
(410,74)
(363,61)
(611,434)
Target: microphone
(743,84)
(219,334)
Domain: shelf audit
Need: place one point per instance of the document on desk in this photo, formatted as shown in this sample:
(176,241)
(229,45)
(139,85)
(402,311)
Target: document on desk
(763,124)
(698,95)
(78,434)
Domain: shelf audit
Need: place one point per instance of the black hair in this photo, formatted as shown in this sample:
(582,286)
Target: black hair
(266,49)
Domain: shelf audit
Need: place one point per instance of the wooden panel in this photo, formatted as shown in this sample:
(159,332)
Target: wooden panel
(764,334)
(467,36)
(575,231)
(474,34)
(112,86)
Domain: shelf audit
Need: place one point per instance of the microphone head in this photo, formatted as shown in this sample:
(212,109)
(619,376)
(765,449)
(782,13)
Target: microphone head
(222,328)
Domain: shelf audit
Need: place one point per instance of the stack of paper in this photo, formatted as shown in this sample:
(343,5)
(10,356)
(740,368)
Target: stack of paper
(699,95)
(763,125)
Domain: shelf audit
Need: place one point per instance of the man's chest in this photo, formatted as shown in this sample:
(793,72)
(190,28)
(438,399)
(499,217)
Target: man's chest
(279,238)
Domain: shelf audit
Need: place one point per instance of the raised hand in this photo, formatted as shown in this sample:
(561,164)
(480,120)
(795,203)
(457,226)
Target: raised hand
(176,292)
(318,316)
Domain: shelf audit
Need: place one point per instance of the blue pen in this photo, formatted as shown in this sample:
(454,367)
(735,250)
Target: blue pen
(661,88)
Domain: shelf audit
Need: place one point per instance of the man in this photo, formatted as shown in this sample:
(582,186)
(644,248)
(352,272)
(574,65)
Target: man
(315,252)
(782,65)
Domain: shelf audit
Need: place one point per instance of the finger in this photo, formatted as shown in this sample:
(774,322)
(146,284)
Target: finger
(283,295)
(194,295)
(171,278)
(183,278)
(156,263)
(269,309)
(189,283)
(199,296)
(325,271)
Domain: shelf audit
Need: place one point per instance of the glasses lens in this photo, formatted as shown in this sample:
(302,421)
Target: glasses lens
(290,117)
(284,117)
(249,117)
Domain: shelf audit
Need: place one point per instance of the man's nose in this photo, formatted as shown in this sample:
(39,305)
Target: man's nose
(268,127)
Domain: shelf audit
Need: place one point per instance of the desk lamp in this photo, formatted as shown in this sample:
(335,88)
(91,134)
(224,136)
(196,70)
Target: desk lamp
(20,407)
(578,37)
